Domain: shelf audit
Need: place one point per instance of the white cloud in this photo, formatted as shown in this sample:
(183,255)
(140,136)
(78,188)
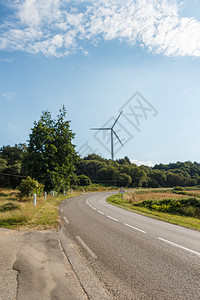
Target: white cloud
(140,163)
(8,60)
(9,96)
(58,28)
(11,126)
(34,12)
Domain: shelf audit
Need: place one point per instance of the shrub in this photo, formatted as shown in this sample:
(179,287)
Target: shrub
(30,186)
(84,180)
(186,206)
(9,206)
(178,188)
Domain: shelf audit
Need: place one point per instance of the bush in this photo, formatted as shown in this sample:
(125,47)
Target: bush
(84,180)
(30,186)
(178,188)
(9,206)
(187,206)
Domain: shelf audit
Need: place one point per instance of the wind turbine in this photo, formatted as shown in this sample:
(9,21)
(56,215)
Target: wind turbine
(112,135)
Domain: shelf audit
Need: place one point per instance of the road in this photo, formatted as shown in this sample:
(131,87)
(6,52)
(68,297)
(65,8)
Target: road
(130,256)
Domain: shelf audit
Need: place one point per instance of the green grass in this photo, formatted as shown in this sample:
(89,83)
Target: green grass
(189,222)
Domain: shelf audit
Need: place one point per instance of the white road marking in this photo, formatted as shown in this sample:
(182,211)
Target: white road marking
(100,212)
(135,228)
(179,246)
(112,218)
(66,220)
(93,208)
(86,247)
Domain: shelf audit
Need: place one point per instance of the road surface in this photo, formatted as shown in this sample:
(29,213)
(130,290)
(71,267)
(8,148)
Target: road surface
(130,256)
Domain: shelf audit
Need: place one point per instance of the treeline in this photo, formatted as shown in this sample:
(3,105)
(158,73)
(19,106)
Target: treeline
(123,173)
(95,169)
(50,157)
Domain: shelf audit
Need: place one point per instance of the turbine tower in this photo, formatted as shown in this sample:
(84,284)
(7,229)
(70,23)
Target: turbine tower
(112,132)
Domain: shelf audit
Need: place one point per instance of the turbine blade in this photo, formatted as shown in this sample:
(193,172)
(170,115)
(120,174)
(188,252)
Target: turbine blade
(117,137)
(117,119)
(100,128)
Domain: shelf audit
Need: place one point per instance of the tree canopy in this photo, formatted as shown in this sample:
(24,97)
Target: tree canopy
(10,164)
(51,155)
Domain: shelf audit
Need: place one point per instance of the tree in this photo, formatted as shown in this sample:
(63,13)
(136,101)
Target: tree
(173,179)
(157,178)
(50,154)
(10,164)
(3,164)
(124,160)
(30,186)
(123,179)
(89,167)
(84,180)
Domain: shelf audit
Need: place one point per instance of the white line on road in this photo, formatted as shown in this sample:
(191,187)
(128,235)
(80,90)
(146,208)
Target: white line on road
(66,220)
(93,208)
(112,218)
(100,212)
(135,228)
(86,247)
(179,246)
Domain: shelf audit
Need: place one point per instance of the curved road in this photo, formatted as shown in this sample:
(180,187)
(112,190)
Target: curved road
(132,256)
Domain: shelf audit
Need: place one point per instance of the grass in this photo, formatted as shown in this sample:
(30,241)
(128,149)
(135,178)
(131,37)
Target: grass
(43,216)
(189,222)
(139,196)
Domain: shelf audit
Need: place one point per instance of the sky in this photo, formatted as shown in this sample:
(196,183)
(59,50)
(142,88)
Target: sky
(101,58)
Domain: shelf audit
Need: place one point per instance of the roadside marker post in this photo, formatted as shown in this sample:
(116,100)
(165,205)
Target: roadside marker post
(34,200)
(122,191)
(45,196)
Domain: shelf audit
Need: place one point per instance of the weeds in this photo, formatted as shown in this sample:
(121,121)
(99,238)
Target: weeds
(24,216)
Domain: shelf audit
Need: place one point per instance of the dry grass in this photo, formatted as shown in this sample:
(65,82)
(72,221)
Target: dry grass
(197,192)
(133,197)
(19,216)
(29,217)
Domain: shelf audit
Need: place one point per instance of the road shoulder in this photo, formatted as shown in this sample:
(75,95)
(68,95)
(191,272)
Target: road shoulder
(34,266)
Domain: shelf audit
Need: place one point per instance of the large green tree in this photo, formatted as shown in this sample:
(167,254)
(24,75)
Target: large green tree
(51,154)
(10,164)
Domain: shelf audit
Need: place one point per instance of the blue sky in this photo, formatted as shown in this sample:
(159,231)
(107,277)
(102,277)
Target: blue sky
(93,57)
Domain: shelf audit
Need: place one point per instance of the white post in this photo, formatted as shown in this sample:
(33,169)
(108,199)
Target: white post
(34,200)
(53,193)
(45,196)
(64,192)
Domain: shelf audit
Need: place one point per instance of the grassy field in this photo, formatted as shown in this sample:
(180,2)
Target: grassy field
(26,216)
(131,199)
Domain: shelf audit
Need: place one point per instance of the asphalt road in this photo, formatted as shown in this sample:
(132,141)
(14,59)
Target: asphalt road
(33,266)
(131,256)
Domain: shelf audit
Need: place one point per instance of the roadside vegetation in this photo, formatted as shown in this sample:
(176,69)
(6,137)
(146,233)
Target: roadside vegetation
(180,206)
(21,214)
(18,212)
